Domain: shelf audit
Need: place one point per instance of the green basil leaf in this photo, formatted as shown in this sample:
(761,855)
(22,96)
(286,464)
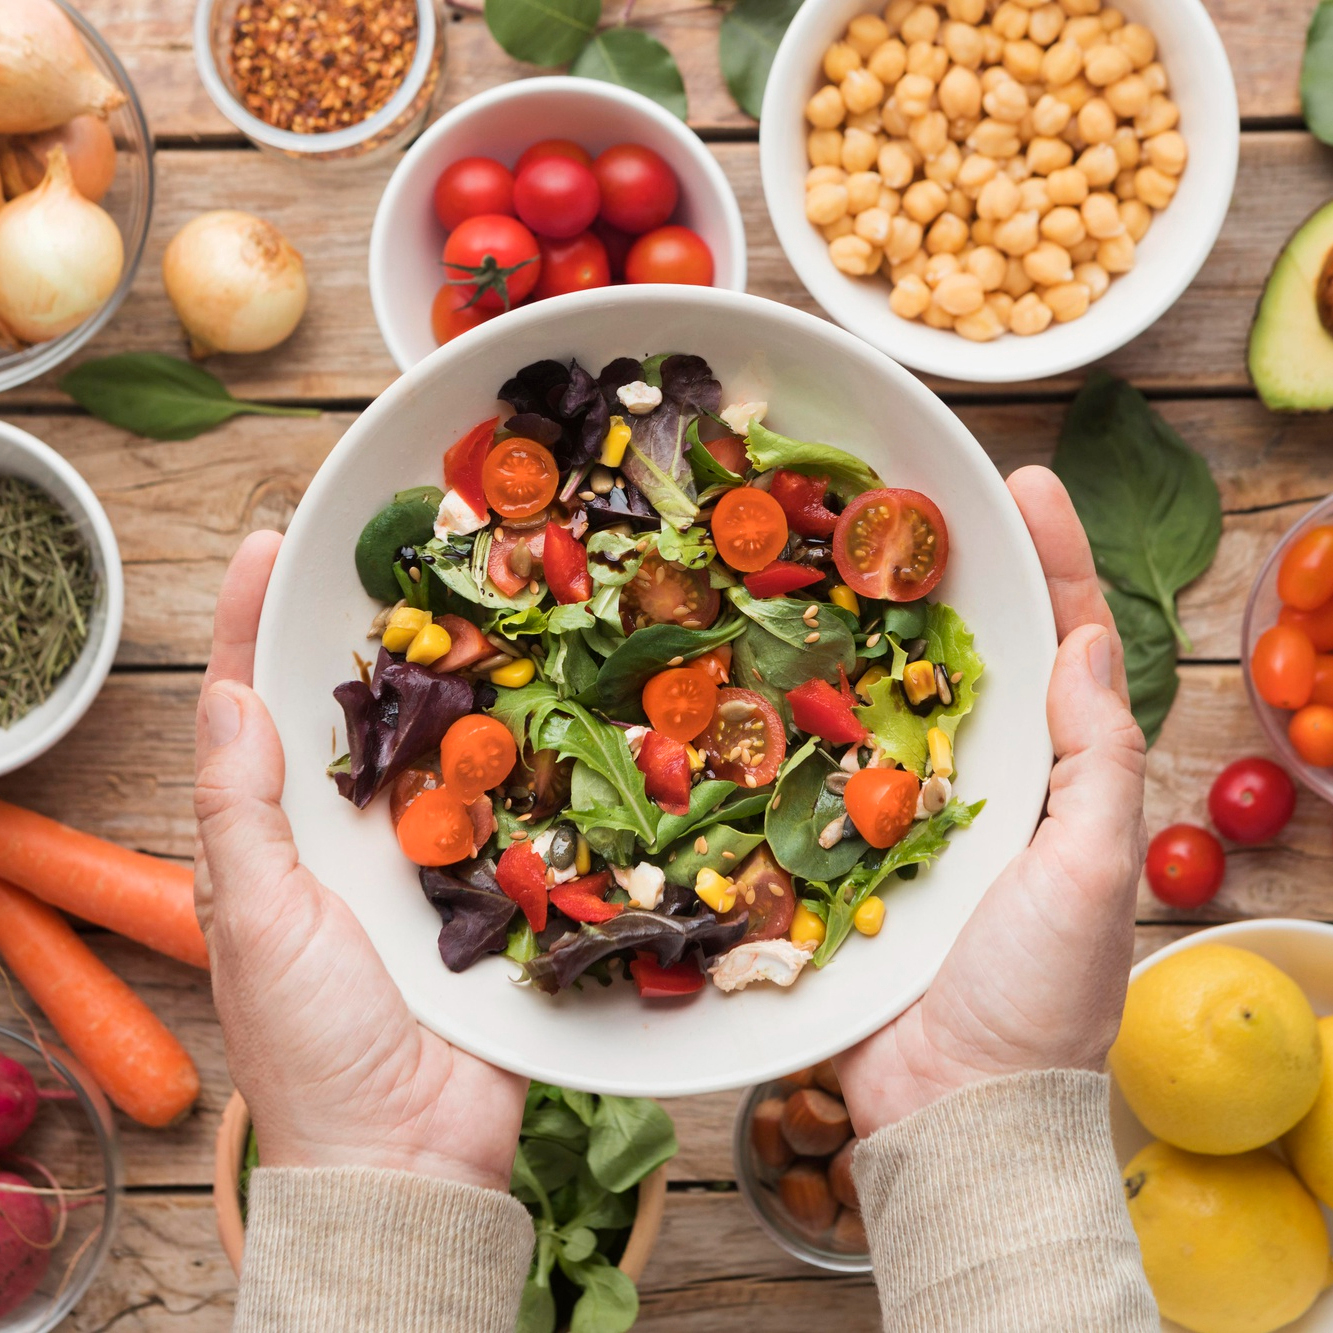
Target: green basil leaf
(1317,73)
(623,675)
(634,60)
(630,1137)
(727,848)
(806,809)
(543,32)
(847,475)
(610,1301)
(1150,659)
(1146,499)
(747,43)
(161,397)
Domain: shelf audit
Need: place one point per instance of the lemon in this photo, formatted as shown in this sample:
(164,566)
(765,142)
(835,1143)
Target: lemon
(1230,1244)
(1218,1051)
(1310,1144)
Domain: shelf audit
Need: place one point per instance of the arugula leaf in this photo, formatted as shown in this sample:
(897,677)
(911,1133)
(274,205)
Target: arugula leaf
(806,807)
(562,619)
(704,798)
(525,709)
(574,733)
(1150,659)
(1146,499)
(1317,74)
(595,809)
(847,475)
(629,1138)
(543,32)
(727,848)
(747,43)
(898,731)
(623,675)
(633,59)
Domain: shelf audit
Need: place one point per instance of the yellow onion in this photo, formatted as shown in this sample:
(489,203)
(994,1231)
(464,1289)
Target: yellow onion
(60,257)
(88,145)
(46,76)
(235,282)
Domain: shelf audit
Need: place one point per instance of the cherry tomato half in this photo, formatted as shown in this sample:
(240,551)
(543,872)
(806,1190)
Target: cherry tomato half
(663,592)
(495,256)
(1185,865)
(477,753)
(556,197)
(520,477)
(553,148)
(1316,625)
(470,187)
(501,561)
(891,543)
(1305,576)
(1311,732)
(749,727)
(575,265)
(1251,800)
(749,528)
(670,254)
(715,664)
(729,451)
(680,702)
(881,802)
(435,829)
(450,314)
(1282,667)
(764,893)
(638,189)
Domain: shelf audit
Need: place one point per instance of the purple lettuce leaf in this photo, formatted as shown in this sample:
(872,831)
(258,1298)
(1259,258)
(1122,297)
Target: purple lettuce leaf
(475,912)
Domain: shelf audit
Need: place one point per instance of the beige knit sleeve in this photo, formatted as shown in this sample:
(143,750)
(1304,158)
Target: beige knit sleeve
(358,1248)
(999,1209)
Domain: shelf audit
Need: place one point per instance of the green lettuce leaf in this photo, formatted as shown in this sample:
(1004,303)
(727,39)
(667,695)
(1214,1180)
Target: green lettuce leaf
(847,475)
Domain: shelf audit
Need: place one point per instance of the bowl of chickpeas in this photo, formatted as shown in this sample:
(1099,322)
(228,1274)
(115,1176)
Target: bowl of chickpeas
(999,190)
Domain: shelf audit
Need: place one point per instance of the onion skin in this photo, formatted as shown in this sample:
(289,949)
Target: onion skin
(235,283)
(46,76)
(88,144)
(60,257)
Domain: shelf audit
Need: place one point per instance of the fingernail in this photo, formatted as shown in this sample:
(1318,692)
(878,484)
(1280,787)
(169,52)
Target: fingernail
(224,717)
(1099,660)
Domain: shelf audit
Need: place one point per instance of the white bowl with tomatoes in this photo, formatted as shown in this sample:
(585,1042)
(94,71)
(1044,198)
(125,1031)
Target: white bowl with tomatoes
(540,188)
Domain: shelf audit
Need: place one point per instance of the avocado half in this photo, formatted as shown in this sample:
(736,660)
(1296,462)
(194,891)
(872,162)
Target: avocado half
(1291,339)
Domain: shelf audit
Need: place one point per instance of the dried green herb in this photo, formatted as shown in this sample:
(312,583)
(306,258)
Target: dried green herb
(47,589)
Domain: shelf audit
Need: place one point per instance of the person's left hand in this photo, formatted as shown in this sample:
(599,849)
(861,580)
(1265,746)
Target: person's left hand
(335,1070)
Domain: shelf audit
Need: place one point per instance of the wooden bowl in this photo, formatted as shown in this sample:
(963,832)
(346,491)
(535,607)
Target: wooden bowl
(227,1159)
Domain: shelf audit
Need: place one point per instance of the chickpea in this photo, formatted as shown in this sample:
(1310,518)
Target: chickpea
(1167,152)
(975,171)
(1077,8)
(825,203)
(929,133)
(937,316)
(895,11)
(1062,62)
(889,200)
(1099,164)
(966,11)
(1126,145)
(909,297)
(869,121)
(987,265)
(842,227)
(839,61)
(1094,277)
(998,199)
(1016,281)
(1017,235)
(981,326)
(1127,97)
(825,176)
(1067,186)
(915,266)
(993,76)
(824,148)
(921,24)
(963,44)
(1086,31)
(1032,196)
(947,235)
(1030,315)
(861,91)
(960,294)
(894,123)
(1017,169)
(896,169)
(1159,115)
(1112,19)
(1048,264)
(865,32)
(888,62)
(1010,21)
(1154,187)
(1123,186)
(941,266)
(963,128)
(859,150)
(1137,217)
(1116,255)
(912,93)
(1154,75)
(925,58)
(983,231)
(1096,121)
(943,167)
(1002,303)
(825,109)
(904,238)
(1137,42)
(1046,155)
(1050,116)
(995,139)
(1064,226)
(1067,300)
(960,93)
(1007,101)
(992,45)
(1046,24)
(1023,59)
(873,225)
(853,255)
(1105,64)
(961,205)
(1101,216)
(862,191)
(1074,93)
(924,201)
(1085,251)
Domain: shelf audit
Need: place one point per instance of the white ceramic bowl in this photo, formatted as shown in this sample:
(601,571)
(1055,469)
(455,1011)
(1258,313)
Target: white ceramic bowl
(1169,256)
(822,384)
(23,455)
(1304,951)
(407,240)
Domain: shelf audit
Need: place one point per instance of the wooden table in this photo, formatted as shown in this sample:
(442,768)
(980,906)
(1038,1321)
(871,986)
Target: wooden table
(181,509)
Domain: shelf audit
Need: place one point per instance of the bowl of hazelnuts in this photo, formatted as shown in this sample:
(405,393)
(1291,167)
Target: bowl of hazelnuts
(793,1153)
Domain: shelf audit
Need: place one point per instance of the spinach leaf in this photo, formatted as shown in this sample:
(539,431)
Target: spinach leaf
(805,807)
(629,1138)
(727,848)
(552,1163)
(747,43)
(1146,499)
(703,810)
(623,675)
(404,522)
(1317,74)
(583,1104)
(610,1301)
(543,32)
(557,1123)
(593,1205)
(633,59)
(906,619)
(1150,659)
(847,475)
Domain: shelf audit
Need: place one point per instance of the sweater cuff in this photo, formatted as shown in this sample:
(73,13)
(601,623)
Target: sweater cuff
(999,1209)
(380,1252)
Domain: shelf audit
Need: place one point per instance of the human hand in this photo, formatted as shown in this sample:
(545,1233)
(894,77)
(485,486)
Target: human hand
(334,1068)
(1036,979)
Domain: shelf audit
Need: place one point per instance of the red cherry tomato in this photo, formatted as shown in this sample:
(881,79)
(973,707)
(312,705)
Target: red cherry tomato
(553,148)
(495,256)
(754,730)
(470,187)
(678,596)
(435,829)
(1316,625)
(769,916)
(1322,693)
(565,561)
(468,644)
(450,314)
(1185,865)
(618,245)
(1305,576)
(781,576)
(1311,733)
(881,803)
(802,499)
(891,543)
(520,477)
(665,765)
(556,197)
(575,265)
(821,710)
(729,451)
(476,754)
(680,702)
(521,875)
(1282,667)
(464,460)
(656,982)
(715,663)
(749,528)
(670,254)
(1251,800)
(639,190)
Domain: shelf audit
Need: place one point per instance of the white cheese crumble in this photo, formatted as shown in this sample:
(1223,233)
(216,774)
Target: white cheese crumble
(639,398)
(739,415)
(541,844)
(644,884)
(634,739)
(456,515)
(778,961)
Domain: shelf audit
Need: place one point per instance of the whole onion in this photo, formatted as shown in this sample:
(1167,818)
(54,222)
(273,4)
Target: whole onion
(87,143)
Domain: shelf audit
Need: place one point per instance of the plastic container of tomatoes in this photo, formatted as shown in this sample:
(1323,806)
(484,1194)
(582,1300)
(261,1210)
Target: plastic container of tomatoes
(408,238)
(1284,727)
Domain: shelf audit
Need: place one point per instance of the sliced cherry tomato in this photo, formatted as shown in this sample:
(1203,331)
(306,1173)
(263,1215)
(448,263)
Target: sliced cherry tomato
(817,708)
(498,567)
(1316,625)
(715,663)
(476,754)
(666,771)
(1282,667)
(663,592)
(575,265)
(470,187)
(546,776)
(656,982)
(407,786)
(435,829)
(520,477)
(749,528)
(556,197)
(670,254)
(493,259)
(463,463)
(1252,800)
(781,576)
(891,543)
(746,742)
(638,189)
(881,802)
(729,451)
(1305,576)
(521,875)
(584,899)
(680,702)
(467,644)
(1185,865)
(802,499)
(1311,732)
(553,148)
(565,560)
(763,891)
(451,316)
(1322,693)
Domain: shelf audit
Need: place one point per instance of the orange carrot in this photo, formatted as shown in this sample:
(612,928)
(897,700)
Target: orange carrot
(113,1033)
(141,897)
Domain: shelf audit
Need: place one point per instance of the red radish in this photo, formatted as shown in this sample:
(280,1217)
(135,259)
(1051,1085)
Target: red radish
(18,1101)
(25,1239)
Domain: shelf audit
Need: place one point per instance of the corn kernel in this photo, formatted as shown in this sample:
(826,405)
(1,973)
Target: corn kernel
(806,927)
(841,595)
(941,752)
(717,891)
(613,447)
(873,675)
(404,626)
(430,644)
(919,682)
(582,856)
(513,674)
(696,760)
(869,917)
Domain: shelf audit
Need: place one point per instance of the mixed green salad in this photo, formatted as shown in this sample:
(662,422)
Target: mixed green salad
(660,692)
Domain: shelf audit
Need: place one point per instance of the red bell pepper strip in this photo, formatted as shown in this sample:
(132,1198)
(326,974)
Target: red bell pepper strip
(521,874)
(462,464)
(565,560)
(781,576)
(666,769)
(656,982)
(821,710)
(581,899)
(802,500)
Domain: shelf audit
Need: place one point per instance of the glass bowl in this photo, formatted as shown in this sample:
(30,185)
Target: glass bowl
(758,1187)
(129,202)
(74,1137)
(1261,614)
(399,120)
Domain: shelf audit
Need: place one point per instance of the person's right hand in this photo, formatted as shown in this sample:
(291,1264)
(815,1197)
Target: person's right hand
(1036,979)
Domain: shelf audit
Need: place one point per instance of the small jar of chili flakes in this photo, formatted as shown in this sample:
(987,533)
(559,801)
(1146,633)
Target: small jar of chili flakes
(338,81)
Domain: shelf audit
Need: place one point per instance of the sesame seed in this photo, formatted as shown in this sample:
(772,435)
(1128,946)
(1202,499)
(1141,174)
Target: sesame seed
(523,819)
(811,610)
(812,638)
(671,858)
(874,639)
(777,800)
(955,678)
(754,671)
(775,890)
(728,856)
(534,587)
(701,845)
(519,835)
(751,780)
(676,661)
(749,897)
